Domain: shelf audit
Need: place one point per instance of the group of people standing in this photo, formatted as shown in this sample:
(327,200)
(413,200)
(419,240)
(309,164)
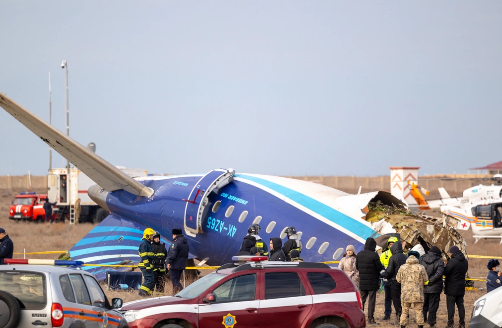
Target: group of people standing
(156,261)
(410,280)
(254,245)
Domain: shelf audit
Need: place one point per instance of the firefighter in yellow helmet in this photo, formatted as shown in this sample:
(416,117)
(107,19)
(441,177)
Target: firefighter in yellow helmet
(146,262)
(384,258)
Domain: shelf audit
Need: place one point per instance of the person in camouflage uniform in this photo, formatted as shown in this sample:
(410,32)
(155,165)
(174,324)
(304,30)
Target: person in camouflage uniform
(412,277)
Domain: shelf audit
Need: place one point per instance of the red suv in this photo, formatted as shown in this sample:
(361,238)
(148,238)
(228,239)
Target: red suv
(257,294)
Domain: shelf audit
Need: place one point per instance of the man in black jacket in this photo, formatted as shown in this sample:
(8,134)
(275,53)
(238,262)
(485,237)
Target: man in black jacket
(177,259)
(48,210)
(276,253)
(248,243)
(396,260)
(454,288)
(434,267)
(6,246)
(159,263)
(369,266)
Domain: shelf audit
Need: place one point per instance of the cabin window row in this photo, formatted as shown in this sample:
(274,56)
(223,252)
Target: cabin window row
(310,243)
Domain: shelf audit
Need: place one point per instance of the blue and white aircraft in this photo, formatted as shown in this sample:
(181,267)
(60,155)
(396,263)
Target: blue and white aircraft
(213,209)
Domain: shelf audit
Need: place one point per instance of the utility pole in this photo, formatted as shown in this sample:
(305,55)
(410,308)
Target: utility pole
(64,65)
(50,120)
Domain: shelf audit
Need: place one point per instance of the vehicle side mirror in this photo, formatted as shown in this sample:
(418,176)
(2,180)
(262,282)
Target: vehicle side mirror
(210,298)
(117,303)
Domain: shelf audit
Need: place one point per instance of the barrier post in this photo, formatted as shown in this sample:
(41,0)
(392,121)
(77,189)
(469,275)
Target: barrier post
(24,253)
(184,282)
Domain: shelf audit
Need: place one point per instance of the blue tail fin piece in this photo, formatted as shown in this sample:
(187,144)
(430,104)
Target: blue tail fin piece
(114,241)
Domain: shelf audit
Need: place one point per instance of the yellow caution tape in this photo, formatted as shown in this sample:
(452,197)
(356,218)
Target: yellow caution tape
(331,262)
(483,257)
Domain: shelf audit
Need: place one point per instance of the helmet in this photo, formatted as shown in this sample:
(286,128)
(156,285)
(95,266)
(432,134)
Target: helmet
(392,240)
(290,231)
(148,232)
(156,234)
(254,229)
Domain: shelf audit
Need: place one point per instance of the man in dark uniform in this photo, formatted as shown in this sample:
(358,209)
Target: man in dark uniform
(145,265)
(159,263)
(6,246)
(177,259)
(254,231)
(293,243)
(48,210)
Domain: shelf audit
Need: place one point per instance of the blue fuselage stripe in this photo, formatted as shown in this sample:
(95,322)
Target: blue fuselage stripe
(329,213)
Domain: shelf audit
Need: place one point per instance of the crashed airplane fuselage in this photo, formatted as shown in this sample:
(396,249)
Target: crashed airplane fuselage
(214,209)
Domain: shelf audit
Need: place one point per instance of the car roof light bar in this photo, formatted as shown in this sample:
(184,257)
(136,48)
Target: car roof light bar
(44,262)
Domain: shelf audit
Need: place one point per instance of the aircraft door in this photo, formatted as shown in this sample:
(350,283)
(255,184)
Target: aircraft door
(497,216)
(53,188)
(485,214)
(198,198)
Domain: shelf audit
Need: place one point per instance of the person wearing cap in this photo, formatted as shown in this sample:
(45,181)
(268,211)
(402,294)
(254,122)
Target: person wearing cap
(494,279)
(384,258)
(159,263)
(369,266)
(177,259)
(411,276)
(396,260)
(454,288)
(348,265)
(145,265)
(6,246)
(434,266)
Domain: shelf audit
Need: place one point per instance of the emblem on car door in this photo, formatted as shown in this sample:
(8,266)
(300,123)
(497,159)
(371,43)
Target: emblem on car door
(229,321)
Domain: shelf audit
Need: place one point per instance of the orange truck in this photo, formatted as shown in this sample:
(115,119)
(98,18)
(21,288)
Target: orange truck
(28,206)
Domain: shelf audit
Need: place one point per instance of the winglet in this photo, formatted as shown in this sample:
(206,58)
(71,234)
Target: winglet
(103,173)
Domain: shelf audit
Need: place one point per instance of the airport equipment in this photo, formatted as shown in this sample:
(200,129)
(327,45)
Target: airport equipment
(73,203)
(254,294)
(28,206)
(214,209)
(54,296)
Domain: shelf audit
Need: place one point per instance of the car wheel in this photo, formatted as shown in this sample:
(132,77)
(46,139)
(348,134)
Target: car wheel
(10,309)
(327,325)
(171,325)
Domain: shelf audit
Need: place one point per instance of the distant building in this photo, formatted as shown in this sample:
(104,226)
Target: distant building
(492,169)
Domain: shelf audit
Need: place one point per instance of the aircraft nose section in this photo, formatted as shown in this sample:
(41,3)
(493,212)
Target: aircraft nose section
(98,195)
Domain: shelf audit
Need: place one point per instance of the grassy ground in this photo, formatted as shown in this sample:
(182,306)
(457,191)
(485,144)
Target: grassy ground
(61,237)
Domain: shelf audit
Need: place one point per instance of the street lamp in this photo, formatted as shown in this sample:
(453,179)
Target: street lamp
(64,65)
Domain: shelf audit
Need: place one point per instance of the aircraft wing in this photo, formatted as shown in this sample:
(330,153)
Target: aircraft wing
(100,171)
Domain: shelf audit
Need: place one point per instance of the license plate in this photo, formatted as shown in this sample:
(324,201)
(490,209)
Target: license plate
(17,216)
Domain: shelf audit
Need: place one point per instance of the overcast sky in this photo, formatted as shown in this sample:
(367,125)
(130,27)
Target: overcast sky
(272,87)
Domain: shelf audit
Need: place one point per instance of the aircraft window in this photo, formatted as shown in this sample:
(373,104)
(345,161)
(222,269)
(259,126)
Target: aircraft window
(243,215)
(283,233)
(337,254)
(229,211)
(323,247)
(300,234)
(311,242)
(485,211)
(270,227)
(257,220)
(216,206)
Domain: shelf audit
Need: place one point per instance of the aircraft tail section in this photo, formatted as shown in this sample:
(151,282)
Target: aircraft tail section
(114,241)
(443,193)
(100,171)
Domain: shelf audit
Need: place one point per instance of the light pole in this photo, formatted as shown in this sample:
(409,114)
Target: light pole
(64,65)
(50,120)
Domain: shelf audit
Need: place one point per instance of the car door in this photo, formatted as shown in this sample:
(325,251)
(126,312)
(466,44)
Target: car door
(235,304)
(99,302)
(284,303)
(85,311)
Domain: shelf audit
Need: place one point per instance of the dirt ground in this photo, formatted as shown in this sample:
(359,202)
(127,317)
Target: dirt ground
(60,237)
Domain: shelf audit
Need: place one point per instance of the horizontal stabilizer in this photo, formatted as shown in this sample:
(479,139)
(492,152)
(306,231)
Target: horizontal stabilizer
(100,171)
(115,241)
(443,193)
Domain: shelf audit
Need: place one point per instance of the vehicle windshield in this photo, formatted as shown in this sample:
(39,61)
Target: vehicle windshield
(22,201)
(197,287)
(28,287)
